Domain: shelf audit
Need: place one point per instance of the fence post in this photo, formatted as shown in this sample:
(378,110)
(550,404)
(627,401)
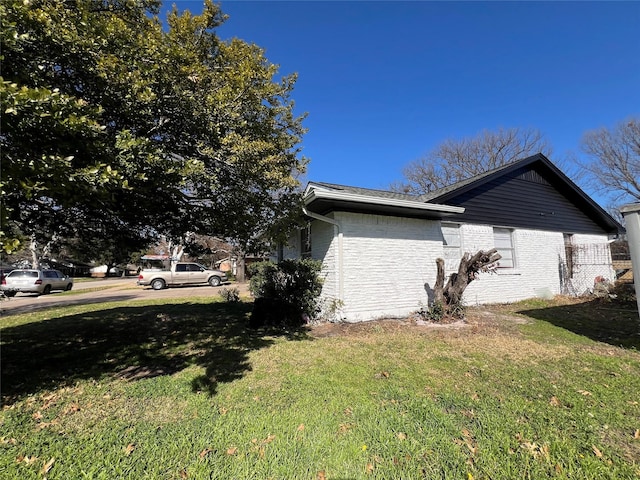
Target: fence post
(631,215)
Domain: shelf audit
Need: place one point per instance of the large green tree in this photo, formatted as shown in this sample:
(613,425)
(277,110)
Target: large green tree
(111,121)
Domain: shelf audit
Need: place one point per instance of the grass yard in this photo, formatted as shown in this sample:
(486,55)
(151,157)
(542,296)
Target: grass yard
(184,390)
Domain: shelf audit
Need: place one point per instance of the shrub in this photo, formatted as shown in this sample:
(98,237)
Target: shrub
(230,295)
(289,290)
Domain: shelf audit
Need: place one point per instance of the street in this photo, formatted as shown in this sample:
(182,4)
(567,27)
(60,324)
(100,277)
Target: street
(110,290)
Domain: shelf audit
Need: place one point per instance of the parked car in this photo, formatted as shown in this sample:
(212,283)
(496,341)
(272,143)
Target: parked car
(35,281)
(181,274)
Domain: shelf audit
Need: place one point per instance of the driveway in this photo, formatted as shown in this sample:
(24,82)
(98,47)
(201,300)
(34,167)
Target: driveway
(108,290)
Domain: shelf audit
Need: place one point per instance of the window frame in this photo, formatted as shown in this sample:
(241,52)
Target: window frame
(511,248)
(447,247)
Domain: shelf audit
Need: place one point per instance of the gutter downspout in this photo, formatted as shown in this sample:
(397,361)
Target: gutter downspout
(337,229)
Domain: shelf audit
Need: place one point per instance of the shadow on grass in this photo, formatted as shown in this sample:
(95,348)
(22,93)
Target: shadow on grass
(133,343)
(615,323)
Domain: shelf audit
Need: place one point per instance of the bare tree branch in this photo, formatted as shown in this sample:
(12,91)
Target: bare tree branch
(614,160)
(456,160)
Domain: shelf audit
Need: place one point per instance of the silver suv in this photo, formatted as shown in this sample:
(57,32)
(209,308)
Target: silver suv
(35,281)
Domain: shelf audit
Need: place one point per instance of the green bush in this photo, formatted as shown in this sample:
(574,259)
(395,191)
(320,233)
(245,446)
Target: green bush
(292,287)
(230,295)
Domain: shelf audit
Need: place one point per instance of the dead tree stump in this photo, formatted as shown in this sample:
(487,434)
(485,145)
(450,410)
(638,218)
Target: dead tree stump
(449,296)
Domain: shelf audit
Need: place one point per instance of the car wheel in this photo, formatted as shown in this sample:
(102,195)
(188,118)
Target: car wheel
(158,284)
(9,293)
(69,287)
(47,290)
(215,281)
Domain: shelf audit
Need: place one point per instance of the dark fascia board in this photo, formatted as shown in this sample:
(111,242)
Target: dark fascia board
(322,200)
(583,200)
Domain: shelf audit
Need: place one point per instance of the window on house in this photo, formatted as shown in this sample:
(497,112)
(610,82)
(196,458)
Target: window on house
(503,242)
(451,243)
(305,241)
(570,253)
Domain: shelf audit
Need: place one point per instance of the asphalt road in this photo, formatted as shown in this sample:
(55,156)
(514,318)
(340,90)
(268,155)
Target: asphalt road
(110,290)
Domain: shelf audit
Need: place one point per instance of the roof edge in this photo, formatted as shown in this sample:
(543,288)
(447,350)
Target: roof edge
(311,194)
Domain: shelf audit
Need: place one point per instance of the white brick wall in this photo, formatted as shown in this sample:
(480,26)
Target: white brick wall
(324,247)
(387,262)
(539,256)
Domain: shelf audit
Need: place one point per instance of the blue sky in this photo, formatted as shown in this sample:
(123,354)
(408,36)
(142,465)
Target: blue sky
(385,82)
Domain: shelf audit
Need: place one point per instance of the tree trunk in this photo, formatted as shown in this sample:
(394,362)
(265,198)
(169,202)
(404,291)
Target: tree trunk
(241,276)
(33,246)
(450,295)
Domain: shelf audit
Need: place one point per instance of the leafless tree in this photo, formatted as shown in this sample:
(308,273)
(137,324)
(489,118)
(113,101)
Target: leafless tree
(456,160)
(614,160)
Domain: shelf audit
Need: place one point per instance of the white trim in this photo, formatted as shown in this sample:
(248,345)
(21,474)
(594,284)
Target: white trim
(319,194)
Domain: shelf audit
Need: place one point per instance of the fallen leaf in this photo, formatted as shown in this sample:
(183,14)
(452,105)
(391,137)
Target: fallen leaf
(205,452)
(128,450)
(554,401)
(269,439)
(584,392)
(370,468)
(402,436)
(8,441)
(321,475)
(636,434)
(26,459)
(47,466)
(348,411)
(232,450)
(223,411)
(345,427)
(596,451)
(73,408)
(183,473)
(301,427)
(37,416)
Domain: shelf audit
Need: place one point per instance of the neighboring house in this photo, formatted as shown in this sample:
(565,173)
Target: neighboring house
(379,248)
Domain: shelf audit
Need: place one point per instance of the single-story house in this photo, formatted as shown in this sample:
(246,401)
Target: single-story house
(379,248)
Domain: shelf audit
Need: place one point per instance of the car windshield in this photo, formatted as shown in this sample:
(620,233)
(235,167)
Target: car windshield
(23,273)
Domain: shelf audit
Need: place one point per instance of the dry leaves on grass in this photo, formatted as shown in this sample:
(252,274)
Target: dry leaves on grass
(205,452)
(468,441)
(26,459)
(128,450)
(47,466)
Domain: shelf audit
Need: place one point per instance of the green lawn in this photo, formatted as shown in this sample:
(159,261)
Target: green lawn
(184,389)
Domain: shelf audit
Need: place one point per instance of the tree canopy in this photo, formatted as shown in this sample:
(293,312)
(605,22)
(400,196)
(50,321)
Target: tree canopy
(455,160)
(613,160)
(115,126)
